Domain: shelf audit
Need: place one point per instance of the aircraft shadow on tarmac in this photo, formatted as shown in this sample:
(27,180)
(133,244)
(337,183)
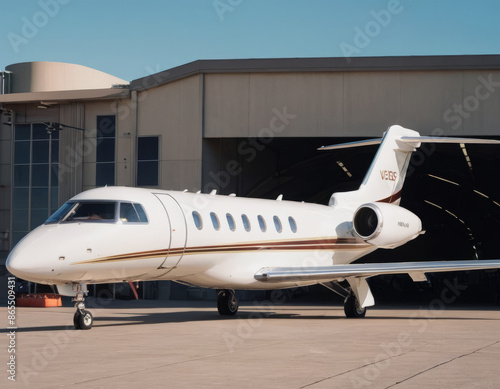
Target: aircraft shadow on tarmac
(121,319)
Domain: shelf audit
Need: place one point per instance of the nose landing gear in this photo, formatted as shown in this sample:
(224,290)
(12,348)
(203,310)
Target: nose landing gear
(83,319)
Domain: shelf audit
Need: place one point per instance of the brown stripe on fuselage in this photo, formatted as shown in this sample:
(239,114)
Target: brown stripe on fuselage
(344,244)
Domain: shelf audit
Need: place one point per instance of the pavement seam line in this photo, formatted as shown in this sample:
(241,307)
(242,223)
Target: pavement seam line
(443,363)
(157,367)
(361,367)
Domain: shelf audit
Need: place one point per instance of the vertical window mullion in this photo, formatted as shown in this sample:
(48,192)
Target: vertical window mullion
(30,186)
(49,203)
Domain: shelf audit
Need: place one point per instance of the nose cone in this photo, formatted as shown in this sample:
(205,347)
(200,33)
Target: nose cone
(20,265)
(26,260)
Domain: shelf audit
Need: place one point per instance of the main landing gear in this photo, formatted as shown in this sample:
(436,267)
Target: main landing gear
(352,307)
(83,319)
(227,303)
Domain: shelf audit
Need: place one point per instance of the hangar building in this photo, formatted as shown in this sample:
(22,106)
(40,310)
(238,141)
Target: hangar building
(251,127)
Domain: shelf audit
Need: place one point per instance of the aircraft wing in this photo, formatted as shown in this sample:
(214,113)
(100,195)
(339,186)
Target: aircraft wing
(416,270)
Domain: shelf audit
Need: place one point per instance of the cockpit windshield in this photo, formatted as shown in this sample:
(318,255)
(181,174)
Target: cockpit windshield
(99,211)
(85,211)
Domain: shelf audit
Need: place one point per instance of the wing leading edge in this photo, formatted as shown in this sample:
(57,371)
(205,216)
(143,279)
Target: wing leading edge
(416,270)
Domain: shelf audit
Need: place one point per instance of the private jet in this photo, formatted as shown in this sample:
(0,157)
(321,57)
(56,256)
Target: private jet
(121,234)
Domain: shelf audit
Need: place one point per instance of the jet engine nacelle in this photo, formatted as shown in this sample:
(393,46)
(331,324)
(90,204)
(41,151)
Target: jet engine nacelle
(386,225)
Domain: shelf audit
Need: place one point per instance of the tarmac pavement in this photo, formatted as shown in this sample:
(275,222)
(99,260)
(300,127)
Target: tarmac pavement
(186,344)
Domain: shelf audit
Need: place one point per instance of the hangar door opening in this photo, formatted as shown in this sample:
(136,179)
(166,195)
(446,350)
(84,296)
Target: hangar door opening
(454,190)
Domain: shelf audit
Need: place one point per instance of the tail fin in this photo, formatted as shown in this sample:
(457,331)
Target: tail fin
(385,177)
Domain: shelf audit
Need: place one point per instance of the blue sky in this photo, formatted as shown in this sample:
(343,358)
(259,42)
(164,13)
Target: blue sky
(131,38)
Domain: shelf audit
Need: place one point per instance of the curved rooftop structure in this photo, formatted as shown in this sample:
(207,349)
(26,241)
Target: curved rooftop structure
(57,81)
(30,77)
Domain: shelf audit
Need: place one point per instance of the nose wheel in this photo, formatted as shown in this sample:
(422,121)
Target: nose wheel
(83,319)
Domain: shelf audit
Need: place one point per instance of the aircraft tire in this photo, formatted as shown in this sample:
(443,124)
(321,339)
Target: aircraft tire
(227,303)
(76,320)
(83,320)
(352,308)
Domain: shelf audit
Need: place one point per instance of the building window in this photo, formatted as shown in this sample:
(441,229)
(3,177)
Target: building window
(105,158)
(262,223)
(36,184)
(147,161)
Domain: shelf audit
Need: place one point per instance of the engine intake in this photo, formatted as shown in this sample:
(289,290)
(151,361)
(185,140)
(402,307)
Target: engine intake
(386,225)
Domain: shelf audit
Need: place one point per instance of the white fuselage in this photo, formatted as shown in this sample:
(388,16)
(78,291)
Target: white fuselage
(223,251)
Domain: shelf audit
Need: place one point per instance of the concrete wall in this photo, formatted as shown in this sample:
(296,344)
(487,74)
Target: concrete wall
(351,103)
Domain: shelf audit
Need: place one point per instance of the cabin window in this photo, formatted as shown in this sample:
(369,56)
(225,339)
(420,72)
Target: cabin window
(246,222)
(230,222)
(132,213)
(293,225)
(198,222)
(215,221)
(277,223)
(262,223)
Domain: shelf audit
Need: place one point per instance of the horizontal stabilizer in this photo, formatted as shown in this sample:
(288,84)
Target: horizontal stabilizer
(442,139)
(365,270)
(410,140)
(367,142)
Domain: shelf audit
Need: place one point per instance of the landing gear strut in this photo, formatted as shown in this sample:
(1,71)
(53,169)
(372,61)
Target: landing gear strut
(352,307)
(83,319)
(227,303)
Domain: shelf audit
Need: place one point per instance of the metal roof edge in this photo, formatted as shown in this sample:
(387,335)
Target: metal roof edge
(328,64)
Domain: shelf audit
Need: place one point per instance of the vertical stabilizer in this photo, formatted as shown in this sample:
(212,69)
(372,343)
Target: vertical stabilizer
(385,178)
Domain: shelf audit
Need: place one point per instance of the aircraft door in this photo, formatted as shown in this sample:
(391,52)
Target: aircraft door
(178,231)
